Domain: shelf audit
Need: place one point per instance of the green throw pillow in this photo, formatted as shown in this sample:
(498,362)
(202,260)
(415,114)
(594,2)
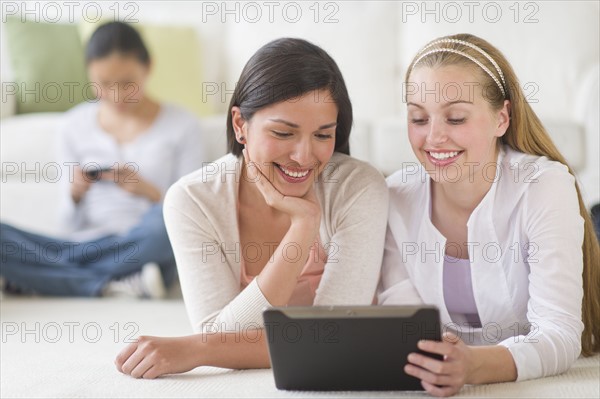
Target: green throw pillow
(48,65)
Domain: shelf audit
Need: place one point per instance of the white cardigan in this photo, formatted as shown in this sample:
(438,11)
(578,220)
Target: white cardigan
(526,256)
(201,219)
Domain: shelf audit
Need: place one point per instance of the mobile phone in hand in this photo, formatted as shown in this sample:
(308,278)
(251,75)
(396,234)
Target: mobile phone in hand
(94,174)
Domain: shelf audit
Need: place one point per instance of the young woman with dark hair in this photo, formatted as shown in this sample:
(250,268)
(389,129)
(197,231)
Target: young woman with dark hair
(286,218)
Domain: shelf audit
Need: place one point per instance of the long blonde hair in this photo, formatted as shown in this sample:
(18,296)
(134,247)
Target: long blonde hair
(526,134)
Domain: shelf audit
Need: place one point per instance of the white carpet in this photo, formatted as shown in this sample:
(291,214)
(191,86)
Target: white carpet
(59,358)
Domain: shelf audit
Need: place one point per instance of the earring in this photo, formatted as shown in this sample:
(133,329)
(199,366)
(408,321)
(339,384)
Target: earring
(241,139)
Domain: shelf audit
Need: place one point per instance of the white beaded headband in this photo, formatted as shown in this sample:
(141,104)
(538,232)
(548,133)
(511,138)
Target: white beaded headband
(486,55)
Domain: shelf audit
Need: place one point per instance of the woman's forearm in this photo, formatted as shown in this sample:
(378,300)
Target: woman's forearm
(492,364)
(246,349)
(151,192)
(280,275)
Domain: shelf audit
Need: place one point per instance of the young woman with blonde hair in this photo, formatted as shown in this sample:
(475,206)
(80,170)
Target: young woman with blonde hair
(491,228)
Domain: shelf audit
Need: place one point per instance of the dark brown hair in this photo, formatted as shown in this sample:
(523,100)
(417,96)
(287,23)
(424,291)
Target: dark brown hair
(285,69)
(116,37)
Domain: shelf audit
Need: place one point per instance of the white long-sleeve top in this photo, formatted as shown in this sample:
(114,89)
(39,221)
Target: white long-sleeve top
(525,247)
(201,217)
(170,148)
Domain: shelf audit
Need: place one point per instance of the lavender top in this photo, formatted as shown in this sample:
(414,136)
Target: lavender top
(458,289)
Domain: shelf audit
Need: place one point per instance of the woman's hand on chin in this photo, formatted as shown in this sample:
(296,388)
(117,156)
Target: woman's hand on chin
(304,209)
(150,357)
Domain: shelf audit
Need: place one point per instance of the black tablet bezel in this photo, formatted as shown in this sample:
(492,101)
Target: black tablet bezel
(368,353)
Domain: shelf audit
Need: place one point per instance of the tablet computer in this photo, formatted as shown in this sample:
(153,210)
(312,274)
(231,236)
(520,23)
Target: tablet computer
(340,348)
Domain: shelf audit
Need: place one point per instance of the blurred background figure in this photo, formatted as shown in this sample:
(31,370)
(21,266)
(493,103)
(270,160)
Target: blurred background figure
(119,154)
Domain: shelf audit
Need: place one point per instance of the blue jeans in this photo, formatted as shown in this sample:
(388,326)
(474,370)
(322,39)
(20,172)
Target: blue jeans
(51,266)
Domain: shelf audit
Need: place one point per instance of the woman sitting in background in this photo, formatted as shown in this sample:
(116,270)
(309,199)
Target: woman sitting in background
(121,154)
(491,229)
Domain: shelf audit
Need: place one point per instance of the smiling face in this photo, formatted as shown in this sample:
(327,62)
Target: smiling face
(291,141)
(453,131)
(119,80)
